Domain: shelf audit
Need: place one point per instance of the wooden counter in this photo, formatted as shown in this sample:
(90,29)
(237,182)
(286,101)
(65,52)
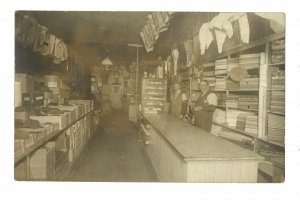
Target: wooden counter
(181,152)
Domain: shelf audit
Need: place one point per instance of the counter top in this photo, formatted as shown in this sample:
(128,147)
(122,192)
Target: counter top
(193,143)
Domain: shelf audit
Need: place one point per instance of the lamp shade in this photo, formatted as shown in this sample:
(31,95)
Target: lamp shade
(107,61)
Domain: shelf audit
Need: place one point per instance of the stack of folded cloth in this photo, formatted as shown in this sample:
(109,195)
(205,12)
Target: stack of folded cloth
(232,63)
(241,122)
(232,85)
(278,51)
(209,73)
(278,101)
(251,124)
(231,117)
(219,116)
(278,97)
(221,99)
(249,83)
(221,74)
(232,101)
(278,79)
(276,126)
(249,61)
(248,102)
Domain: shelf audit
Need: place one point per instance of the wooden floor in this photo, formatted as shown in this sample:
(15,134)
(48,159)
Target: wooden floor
(114,154)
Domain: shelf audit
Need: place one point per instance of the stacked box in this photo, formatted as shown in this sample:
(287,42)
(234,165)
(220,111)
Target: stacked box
(61,120)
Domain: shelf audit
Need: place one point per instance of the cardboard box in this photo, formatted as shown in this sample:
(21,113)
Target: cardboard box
(19,147)
(39,132)
(61,120)
(22,116)
(62,143)
(89,103)
(27,82)
(72,109)
(42,163)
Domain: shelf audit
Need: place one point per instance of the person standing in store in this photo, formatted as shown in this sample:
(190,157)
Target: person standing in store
(178,102)
(205,107)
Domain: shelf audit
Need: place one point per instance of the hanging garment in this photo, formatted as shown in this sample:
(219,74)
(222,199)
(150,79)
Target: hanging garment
(152,27)
(150,33)
(175,55)
(244,28)
(205,37)
(29,30)
(40,38)
(155,22)
(220,37)
(188,45)
(166,18)
(51,44)
(146,36)
(146,44)
(160,21)
(57,51)
(277,20)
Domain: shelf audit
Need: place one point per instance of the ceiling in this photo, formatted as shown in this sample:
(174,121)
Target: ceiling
(97,31)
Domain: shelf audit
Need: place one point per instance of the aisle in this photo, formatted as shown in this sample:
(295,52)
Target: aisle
(114,154)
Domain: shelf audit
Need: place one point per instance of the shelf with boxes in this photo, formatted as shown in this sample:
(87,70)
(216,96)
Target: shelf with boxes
(253,106)
(154,92)
(49,134)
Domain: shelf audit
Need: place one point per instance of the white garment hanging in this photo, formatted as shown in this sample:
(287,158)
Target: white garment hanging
(244,28)
(175,55)
(205,37)
(220,36)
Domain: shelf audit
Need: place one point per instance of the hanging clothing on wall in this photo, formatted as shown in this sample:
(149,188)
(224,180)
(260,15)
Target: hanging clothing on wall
(205,37)
(153,27)
(166,18)
(220,37)
(160,21)
(175,55)
(42,39)
(60,51)
(188,45)
(29,30)
(146,43)
(244,28)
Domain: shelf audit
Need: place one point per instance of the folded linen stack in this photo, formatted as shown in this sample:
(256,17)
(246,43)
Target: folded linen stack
(251,124)
(276,127)
(278,51)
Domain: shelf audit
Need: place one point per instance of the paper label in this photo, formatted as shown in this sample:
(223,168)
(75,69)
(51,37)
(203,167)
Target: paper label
(52,84)
(26,98)
(39,98)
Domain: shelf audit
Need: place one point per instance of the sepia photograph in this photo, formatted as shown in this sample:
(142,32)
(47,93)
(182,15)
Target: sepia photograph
(149,96)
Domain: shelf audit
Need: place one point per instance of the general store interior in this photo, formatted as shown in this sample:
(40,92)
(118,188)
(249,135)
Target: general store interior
(149,96)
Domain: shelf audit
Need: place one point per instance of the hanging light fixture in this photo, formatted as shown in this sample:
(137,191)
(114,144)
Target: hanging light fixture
(107,62)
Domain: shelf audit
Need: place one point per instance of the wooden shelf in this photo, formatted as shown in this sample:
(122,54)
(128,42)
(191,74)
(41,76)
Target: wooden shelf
(272,142)
(245,109)
(47,138)
(276,64)
(249,134)
(243,90)
(277,113)
(236,130)
(275,89)
(219,106)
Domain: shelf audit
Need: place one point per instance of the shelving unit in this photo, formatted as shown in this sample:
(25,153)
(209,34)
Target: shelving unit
(154,94)
(263,92)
